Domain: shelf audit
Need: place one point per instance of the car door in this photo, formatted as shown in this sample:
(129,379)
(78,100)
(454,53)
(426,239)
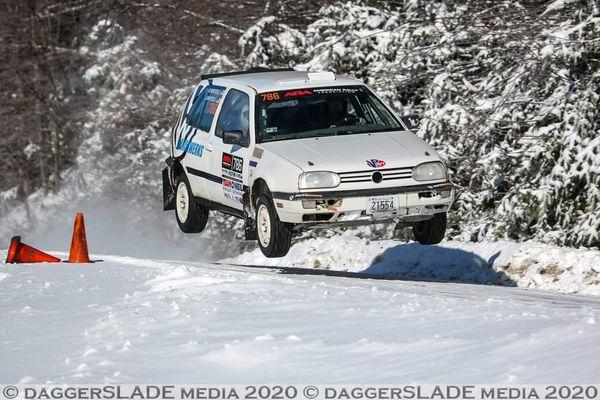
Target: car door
(196,141)
(232,161)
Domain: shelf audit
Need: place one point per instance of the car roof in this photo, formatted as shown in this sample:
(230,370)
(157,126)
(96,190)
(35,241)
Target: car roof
(283,80)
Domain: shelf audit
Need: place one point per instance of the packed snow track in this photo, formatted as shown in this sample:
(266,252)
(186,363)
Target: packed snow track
(135,320)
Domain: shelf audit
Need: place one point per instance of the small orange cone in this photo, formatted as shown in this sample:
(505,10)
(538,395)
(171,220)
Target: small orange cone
(22,253)
(79,250)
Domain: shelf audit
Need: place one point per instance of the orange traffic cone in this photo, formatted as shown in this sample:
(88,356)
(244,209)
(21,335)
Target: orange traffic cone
(22,253)
(79,250)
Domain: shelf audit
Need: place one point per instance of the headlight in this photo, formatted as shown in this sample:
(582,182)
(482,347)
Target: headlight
(431,171)
(316,180)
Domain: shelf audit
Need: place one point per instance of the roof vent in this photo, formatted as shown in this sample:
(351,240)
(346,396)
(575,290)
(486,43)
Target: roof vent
(291,81)
(311,77)
(321,76)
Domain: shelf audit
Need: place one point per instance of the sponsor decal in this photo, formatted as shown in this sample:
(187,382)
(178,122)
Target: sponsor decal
(234,185)
(231,174)
(273,96)
(276,96)
(213,97)
(374,163)
(305,196)
(213,108)
(295,93)
(232,163)
(332,90)
(226,161)
(258,152)
(253,163)
(191,147)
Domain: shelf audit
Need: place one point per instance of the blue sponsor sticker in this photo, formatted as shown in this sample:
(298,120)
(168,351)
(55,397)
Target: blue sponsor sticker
(253,163)
(374,163)
(191,147)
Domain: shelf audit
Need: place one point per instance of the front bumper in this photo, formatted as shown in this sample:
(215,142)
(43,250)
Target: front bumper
(415,203)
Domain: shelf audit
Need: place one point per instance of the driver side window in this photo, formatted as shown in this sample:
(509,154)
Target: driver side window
(234,114)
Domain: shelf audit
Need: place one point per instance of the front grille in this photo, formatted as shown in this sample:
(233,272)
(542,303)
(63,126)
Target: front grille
(388,174)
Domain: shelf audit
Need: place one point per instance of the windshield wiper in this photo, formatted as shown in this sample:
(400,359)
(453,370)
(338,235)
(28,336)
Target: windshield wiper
(283,137)
(345,132)
(385,130)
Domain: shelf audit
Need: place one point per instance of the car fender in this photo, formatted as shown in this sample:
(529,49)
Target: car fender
(279,174)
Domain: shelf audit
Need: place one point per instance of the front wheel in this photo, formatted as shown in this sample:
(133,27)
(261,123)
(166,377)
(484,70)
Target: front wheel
(274,236)
(191,217)
(431,231)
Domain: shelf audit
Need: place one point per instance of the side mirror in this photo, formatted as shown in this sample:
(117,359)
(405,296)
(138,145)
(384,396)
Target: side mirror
(234,137)
(412,122)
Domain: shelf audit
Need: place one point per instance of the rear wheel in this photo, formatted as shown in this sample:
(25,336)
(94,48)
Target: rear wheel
(431,231)
(274,236)
(191,217)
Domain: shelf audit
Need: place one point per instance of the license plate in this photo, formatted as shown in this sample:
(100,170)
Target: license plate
(382,205)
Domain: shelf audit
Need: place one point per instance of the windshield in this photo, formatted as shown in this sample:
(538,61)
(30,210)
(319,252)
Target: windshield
(303,113)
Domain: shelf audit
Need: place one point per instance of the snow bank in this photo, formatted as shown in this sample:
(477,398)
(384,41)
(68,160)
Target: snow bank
(527,265)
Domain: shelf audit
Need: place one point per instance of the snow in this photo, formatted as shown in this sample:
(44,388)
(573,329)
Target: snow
(547,51)
(9,194)
(92,73)
(557,5)
(313,315)
(102,27)
(216,62)
(151,70)
(198,322)
(30,150)
(526,265)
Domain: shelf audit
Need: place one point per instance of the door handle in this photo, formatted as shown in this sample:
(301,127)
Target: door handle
(208,147)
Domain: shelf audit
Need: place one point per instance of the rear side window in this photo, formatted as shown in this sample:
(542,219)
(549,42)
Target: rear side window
(234,113)
(187,107)
(205,107)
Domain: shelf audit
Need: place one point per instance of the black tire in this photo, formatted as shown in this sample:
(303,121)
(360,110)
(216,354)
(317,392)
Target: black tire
(194,221)
(431,231)
(279,233)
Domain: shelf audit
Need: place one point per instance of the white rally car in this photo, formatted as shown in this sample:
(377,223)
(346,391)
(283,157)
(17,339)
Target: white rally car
(286,149)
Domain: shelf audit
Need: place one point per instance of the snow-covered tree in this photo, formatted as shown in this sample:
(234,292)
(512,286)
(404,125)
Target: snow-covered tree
(508,94)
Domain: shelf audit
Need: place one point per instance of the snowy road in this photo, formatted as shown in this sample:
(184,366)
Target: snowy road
(133,320)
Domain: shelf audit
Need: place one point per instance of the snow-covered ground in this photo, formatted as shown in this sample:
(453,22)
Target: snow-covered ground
(135,320)
(526,264)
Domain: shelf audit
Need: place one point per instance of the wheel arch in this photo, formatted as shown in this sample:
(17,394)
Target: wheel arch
(259,187)
(176,170)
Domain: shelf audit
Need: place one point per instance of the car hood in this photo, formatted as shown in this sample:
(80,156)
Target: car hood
(354,152)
